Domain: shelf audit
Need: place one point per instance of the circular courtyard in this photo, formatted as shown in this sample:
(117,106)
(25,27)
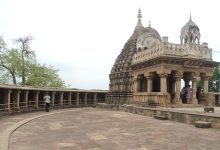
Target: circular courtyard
(95,129)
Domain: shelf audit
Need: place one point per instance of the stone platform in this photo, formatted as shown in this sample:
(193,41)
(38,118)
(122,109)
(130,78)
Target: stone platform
(186,115)
(99,129)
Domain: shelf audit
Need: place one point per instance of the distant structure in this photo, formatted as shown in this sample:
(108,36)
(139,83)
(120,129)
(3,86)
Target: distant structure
(150,69)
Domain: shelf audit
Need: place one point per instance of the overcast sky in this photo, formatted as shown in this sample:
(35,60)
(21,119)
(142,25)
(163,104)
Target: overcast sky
(83,38)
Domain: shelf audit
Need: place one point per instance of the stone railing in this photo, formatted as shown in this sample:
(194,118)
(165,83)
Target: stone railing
(174,50)
(162,99)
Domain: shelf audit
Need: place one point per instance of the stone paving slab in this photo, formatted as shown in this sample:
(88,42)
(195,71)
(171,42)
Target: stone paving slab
(95,129)
(9,124)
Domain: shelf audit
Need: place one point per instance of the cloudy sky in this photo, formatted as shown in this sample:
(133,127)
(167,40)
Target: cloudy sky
(83,38)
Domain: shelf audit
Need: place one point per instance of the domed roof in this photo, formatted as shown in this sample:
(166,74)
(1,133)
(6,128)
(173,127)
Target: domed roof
(148,38)
(190,33)
(149,31)
(189,26)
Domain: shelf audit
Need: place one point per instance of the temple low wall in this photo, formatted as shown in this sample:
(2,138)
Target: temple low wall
(173,115)
(159,98)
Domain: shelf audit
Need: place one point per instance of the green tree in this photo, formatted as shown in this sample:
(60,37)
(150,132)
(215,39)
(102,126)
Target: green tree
(20,67)
(214,82)
(25,51)
(43,76)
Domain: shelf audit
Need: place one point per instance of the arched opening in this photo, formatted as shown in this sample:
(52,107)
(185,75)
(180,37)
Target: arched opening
(145,48)
(186,88)
(191,38)
(196,40)
(142,83)
(139,49)
(156,83)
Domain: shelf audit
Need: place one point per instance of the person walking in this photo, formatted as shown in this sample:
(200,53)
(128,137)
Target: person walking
(47,102)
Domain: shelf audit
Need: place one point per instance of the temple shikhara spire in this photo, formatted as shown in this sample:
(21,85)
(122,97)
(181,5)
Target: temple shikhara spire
(149,68)
(139,16)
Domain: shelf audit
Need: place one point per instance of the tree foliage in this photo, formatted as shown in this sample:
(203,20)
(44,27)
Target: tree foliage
(214,82)
(43,76)
(20,67)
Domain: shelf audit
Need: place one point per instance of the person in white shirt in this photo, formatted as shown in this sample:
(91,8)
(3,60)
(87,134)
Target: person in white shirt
(47,102)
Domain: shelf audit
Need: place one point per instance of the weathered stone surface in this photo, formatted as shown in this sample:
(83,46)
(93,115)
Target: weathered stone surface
(202,124)
(174,115)
(160,117)
(93,129)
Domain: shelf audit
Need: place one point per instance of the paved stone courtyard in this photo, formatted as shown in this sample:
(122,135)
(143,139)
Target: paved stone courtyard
(94,129)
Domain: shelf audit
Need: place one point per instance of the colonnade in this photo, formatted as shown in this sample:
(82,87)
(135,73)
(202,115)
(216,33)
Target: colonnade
(25,99)
(167,82)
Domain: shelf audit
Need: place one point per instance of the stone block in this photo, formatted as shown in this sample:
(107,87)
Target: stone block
(160,117)
(202,124)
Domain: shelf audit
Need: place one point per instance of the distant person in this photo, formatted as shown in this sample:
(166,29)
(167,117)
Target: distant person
(47,102)
(183,95)
(189,94)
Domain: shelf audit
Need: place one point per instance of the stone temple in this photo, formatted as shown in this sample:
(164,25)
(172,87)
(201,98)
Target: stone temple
(150,68)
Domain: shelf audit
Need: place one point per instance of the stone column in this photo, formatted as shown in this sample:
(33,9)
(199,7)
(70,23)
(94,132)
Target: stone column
(106,98)
(61,98)
(149,83)
(194,99)
(163,82)
(138,84)
(95,98)
(17,98)
(205,84)
(36,98)
(70,98)
(135,84)
(85,99)
(177,99)
(77,99)
(26,99)
(8,100)
(53,98)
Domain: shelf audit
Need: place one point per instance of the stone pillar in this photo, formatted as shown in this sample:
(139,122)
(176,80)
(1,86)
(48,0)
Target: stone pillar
(149,83)
(36,98)
(95,98)
(138,84)
(77,99)
(70,98)
(85,99)
(163,82)
(26,99)
(135,84)
(17,98)
(53,98)
(61,98)
(178,76)
(8,100)
(205,84)
(106,98)
(194,99)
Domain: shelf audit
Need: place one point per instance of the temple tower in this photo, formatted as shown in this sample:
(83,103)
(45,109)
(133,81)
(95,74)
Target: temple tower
(149,69)
(121,75)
